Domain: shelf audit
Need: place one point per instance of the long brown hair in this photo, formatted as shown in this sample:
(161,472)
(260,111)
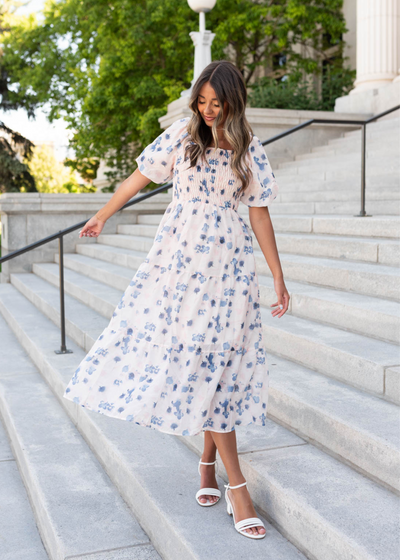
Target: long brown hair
(229,87)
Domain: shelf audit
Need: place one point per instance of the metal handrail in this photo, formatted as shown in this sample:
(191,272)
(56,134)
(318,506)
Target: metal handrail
(362,124)
(137,199)
(60,237)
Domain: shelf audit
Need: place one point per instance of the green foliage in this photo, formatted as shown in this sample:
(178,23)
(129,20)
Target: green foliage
(271,94)
(317,28)
(336,84)
(288,94)
(14,148)
(87,168)
(9,99)
(51,175)
(14,171)
(111,68)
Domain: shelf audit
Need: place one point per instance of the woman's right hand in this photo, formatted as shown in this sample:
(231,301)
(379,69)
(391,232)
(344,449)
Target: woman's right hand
(92,228)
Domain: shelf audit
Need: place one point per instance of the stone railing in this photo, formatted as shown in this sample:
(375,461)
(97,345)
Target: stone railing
(28,217)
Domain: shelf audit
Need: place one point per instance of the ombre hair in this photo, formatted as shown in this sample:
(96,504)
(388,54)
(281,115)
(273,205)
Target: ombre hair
(229,87)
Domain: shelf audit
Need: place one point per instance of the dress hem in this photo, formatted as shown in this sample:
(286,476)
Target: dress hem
(157,428)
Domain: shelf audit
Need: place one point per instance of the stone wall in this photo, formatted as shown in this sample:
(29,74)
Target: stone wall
(29,217)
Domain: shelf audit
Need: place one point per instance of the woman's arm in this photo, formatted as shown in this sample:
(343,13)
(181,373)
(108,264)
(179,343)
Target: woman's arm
(261,225)
(127,189)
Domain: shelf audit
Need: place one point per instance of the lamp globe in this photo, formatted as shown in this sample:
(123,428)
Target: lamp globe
(202,5)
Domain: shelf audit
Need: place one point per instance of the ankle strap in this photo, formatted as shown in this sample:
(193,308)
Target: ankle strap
(201,463)
(229,487)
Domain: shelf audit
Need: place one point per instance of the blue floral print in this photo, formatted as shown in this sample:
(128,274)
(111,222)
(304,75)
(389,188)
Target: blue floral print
(183,351)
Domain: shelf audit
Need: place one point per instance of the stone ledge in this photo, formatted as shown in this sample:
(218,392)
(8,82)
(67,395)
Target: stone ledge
(29,217)
(17,203)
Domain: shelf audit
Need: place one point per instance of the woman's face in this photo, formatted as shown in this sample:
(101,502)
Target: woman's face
(208,104)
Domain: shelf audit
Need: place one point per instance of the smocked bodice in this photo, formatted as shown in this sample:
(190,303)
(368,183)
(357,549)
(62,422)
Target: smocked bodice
(211,182)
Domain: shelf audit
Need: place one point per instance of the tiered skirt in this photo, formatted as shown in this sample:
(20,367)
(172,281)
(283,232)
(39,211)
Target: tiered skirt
(183,351)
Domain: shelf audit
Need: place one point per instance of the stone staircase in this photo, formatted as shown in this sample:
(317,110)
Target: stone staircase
(324,473)
(328,181)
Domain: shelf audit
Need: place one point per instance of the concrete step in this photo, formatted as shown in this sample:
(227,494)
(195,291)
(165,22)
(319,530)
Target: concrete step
(96,295)
(311,496)
(374,208)
(113,275)
(388,123)
(369,423)
(149,219)
(362,278)
(323,497)
(374,280)
(348,357)
(374,317)
(375,143)
(360,429)
(133,243)
(19,535)
(331,246)
(345,160)
(351,147)
(353,144)
(304,183)
(336,247)
(355,312)
(58,467)
(160,496)
(340,146)
(385,226)
(114,255)
(82,323)
(336,195)
(334,169)
(145,230)
(20,538)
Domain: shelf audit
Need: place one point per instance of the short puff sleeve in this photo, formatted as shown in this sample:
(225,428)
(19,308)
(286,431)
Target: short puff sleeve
(263,188)
(157,160)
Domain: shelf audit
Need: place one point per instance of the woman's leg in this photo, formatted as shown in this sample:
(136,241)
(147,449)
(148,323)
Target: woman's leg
(240,497)
(207,472)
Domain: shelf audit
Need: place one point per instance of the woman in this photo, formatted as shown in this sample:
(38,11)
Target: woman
(183,352)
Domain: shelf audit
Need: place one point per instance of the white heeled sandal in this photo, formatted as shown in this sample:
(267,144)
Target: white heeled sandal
(208,491)
(241,526)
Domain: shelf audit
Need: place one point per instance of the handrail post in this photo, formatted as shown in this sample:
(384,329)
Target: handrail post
(363,213)
(63,349)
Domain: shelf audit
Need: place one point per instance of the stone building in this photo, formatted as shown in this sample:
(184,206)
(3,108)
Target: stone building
(373,48)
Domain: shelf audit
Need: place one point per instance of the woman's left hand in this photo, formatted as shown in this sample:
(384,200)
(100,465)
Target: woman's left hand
(283,298)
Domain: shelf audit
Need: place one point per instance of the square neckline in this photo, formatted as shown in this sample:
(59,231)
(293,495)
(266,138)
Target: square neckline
(213,147)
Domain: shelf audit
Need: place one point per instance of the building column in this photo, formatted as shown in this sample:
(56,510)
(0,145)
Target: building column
(378,43)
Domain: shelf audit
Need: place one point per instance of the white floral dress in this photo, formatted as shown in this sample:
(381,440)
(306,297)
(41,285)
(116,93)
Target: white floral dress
(183,351)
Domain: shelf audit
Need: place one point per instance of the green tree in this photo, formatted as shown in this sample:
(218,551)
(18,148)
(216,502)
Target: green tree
(51,175)
(15,149)
(111,68)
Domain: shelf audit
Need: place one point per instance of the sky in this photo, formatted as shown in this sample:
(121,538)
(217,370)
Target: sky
(40,129)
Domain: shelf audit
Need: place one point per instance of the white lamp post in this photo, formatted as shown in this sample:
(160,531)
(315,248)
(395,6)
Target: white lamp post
(202,40)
